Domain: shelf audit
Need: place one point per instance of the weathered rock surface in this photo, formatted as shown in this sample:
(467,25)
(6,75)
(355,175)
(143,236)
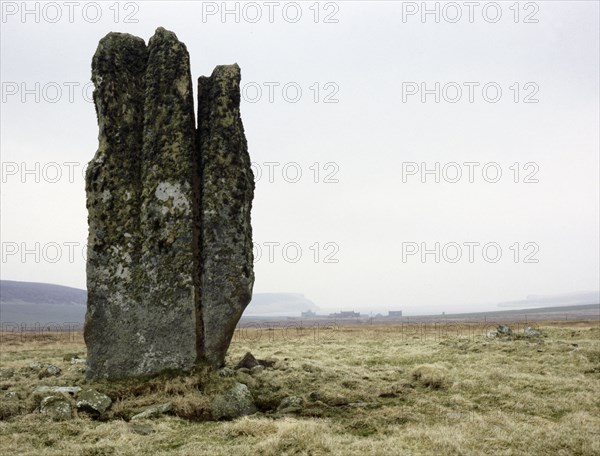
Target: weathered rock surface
(153,411)
(235,402)
(225,198)
(248,361)
(44,369)
(531,332)
(290,404)
(57,389)
(56,407)
(170,266)
(226,372)
(167,222)
(141,308)
(116,316)
(52,370)
(504,330)
(93,402)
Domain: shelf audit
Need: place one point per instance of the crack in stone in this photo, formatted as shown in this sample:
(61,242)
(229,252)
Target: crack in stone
(170,266)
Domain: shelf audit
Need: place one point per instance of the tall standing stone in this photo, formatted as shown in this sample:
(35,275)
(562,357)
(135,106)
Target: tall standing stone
(170,266)
(225,194)
(167,221)
(113,191)
(141,308)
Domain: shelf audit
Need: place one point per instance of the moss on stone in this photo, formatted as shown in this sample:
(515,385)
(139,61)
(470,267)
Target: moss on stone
(170,243)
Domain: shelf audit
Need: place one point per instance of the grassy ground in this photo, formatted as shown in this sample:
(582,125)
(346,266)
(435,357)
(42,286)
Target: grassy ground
(368,390)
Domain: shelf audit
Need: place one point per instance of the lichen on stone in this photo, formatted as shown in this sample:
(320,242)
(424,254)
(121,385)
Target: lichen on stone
(169,267)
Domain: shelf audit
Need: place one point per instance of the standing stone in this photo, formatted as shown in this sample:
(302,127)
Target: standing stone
(170,266)
(115,314)
(225,197)
(141,307)
(167,222)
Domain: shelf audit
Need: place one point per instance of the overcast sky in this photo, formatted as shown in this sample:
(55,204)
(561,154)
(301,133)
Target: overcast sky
(345,94)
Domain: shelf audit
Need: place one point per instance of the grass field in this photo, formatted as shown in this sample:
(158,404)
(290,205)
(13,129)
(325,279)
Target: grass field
(367,390)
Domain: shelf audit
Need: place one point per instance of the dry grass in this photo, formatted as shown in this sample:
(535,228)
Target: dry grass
(368,390)
(431,375)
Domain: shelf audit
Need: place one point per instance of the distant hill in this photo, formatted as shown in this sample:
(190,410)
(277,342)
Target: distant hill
(40,293)
(33,302)
(43,303)
(280,304)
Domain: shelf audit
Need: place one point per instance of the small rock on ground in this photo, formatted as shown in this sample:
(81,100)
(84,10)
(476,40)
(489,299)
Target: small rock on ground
(153,411)
(226,372)
(290,404)
(530,332)
(92,401)
(56,407)
(57,389)
(248,361)
(504,330)
(235,402)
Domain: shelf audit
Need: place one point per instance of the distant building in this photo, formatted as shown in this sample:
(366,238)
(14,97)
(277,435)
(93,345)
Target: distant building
(395,313)
(309,313)
(345,314)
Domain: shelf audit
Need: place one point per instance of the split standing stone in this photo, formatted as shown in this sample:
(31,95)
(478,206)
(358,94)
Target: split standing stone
(170,266)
